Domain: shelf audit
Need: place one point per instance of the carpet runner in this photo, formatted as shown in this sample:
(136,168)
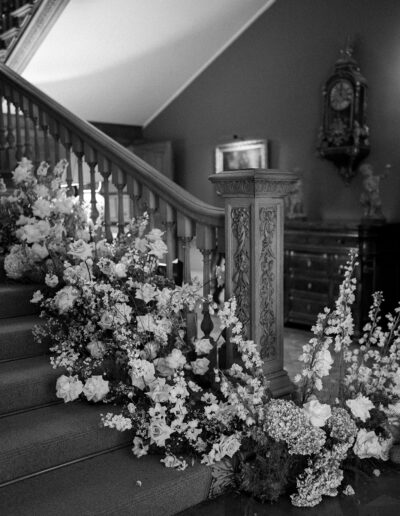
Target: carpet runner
(57,459)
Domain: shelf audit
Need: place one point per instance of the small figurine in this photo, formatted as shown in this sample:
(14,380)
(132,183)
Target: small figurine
(370,197)
(294,202)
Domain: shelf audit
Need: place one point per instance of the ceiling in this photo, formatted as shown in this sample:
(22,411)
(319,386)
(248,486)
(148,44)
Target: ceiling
(126,63)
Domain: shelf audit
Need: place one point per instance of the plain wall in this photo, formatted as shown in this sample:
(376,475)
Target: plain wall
(268,84)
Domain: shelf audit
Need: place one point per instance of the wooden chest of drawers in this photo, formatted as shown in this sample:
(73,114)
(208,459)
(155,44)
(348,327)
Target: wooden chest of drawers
(314,254)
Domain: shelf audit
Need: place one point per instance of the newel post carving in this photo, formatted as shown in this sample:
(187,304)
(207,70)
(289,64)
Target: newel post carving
(254,225)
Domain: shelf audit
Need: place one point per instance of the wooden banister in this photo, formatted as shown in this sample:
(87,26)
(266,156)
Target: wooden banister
(109,149)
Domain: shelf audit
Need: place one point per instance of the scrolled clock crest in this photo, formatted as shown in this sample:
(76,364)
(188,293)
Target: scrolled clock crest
(344,134)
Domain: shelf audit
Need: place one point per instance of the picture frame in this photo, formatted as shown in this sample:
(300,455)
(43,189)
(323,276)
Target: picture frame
(241,155)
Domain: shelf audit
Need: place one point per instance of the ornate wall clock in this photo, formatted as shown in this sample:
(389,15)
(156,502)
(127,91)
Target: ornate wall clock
(344,134)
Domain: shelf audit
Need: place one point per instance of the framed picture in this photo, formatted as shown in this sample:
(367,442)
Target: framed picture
(241,155)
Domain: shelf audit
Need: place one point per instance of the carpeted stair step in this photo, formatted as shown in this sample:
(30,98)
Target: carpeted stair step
(49,436)
(15,300)
(27,383)
(113,484)
(16,338)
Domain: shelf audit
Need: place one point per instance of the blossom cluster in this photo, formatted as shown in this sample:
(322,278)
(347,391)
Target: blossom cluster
(39,219)
(118,329)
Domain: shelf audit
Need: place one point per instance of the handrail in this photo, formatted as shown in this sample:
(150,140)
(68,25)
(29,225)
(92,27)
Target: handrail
(132,165)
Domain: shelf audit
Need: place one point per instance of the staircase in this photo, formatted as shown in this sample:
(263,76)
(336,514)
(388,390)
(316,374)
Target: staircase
(56,459)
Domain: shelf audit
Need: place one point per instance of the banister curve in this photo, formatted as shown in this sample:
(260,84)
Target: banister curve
(185,203)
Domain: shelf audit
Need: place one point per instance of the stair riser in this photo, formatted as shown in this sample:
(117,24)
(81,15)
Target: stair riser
(16,339)
(26,394)
(15,300)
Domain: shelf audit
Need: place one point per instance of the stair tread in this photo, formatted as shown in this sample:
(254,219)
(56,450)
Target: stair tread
(49,436)
(15,299)
(107,485)
(16,324)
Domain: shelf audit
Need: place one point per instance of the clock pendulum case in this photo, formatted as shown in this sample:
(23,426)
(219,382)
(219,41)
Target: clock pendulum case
(344,134)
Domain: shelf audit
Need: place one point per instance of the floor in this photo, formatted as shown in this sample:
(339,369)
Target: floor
(374,496)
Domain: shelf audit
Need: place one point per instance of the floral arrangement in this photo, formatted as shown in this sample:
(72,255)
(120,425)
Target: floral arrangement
(118,329)
(38,221)
(119,332)
(304,446)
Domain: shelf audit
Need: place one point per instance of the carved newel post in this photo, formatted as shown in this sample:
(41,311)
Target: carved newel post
(254,225)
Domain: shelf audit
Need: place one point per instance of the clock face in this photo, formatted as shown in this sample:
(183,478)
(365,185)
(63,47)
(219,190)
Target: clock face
(341,95)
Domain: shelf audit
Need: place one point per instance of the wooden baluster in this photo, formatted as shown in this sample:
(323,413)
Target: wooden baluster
(27,128)
(105,171)
(18,145)
(91,160)
(134,191)
(151,205)
(34,115)
(205,241)
(185,229)
(45,128)
(119,179)
(3,136)
(66,140)
(10,127)
(168,217)
(78,149)
(54,131)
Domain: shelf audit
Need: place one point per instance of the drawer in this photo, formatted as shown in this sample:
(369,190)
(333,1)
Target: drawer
(304,311)
(309,285)
(312,262)
(338,260)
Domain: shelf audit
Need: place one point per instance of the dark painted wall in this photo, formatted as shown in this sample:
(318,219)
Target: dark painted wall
(268,85)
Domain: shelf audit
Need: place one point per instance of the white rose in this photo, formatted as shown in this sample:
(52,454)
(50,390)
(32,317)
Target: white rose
(159,432)
(41,190)
(120,270)
(360,407)
(51,280)
(106,321)
(145,323)
(80,249)
(35,232)
(317,413)
(323,362)
(142,373)
(157,248)
(229,445)
(39,252)
(163,368)
(175,359)
(23,171)
(41,208)
(96,388)
(203,346)
(65,298)
(146,292)
(96,348)
(122,313)
(68,388)
(159,391)
(154,235)
(200,366)
(368,444)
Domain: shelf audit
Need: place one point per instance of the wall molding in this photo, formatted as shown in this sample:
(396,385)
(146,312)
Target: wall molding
(42,19)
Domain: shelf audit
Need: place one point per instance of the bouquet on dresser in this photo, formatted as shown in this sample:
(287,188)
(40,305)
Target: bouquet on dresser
(38,221)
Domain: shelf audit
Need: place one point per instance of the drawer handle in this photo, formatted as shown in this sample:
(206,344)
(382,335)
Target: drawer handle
(309,286)
(308,263)
(308,308)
